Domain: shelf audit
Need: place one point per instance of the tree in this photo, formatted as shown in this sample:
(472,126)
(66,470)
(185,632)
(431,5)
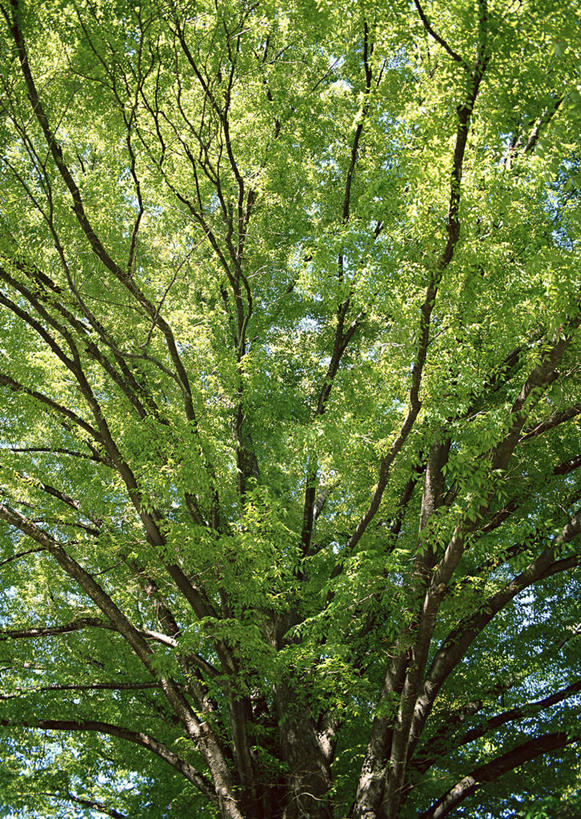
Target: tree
(289,375)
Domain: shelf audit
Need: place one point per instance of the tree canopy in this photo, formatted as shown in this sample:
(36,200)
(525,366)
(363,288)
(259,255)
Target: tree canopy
(289,379)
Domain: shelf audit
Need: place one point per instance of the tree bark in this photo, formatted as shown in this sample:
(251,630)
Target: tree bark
(308,778)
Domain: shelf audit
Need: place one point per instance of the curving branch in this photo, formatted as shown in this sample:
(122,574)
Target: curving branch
(343,335)
(96,686)
(93,804)
(94,622)
(499,456)
(453,235)
(378,782)
(137,737)
(445,739)
(494,770)
(455,646)
(18,387)
(521,712)
(552,421)
(440,40)
(18,555)
(82,217)
(417,697)
(48,450)
(118,620)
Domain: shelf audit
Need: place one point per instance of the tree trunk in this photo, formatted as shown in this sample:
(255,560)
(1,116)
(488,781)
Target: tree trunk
(308,776)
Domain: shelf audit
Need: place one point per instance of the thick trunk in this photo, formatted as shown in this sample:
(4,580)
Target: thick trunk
(372,777)
(308,779)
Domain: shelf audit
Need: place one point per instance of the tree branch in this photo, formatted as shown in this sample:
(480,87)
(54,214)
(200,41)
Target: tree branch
(447,48)
(495,769)
(454,648)
(137,737)
(82,218)
(96,686)
(16,386)
(84,802)
(522,712)
(552,421)
(438,745)
(118,620)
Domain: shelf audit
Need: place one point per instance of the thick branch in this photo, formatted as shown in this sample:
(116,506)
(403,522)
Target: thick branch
(95,686)
(16,386)
(78,625)
(203,737)
(495,769)
(457,643)
(552,421)
(444,740)
(342,336)
(500,455)
(137,737)
(522,712)
(371,785)
(453,235)
(118,620)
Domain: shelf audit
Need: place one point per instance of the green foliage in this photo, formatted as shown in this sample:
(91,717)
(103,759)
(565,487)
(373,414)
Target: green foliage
(289,383)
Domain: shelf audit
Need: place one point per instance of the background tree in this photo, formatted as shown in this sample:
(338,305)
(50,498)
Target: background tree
(290,382)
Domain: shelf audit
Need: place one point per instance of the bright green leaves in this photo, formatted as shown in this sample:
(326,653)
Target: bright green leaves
(202,385)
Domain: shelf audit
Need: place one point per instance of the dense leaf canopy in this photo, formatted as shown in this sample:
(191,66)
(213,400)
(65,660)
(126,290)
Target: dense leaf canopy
(289,382)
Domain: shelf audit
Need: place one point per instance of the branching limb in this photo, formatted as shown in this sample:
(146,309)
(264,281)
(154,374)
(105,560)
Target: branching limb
(522,712)
(518,142)
(438,745)
(137,737)
(500,455)
(96,686)
(453,235)
(17,387)
(552,421)
(99,807)
(204,739)
(378,782)
(343,335)
(447,48)
(104,435)
(94,622)
(18,555)
(457,643)
(52,451)
(115,616)
(494,770)
(81,215)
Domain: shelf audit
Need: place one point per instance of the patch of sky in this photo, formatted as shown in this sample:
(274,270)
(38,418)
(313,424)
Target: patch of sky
(564,193)
(308,325)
